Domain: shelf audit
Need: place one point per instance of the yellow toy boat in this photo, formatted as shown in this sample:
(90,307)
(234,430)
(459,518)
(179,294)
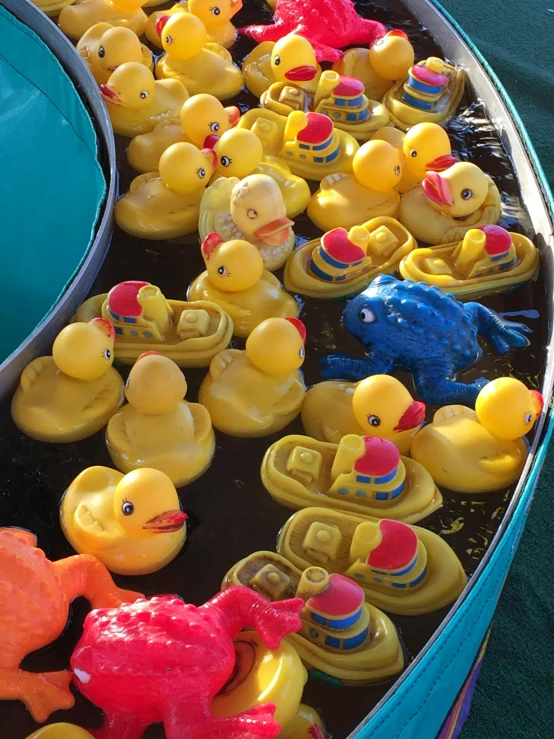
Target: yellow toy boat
(431,92)
(362,474)
(189,333)
(76,19)
(308,143)
(259,75)
(104,48)
(216,15)
(488,260)
(343,640)
(343,263)
(402,569)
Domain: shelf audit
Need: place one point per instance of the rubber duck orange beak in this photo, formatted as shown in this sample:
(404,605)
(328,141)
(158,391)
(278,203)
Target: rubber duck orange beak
(413,417)
(301,74)
(109,95)
(538,401)
(233,113)
(166,523)
(160,24)
(437,189)
(211,156)
(276,232)
(441,163)
(210,141)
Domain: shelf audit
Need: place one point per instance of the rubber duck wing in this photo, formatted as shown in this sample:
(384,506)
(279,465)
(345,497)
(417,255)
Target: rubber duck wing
(221,361)
(202,422)
(329,182)
(238,313)
(448,411)
(142,179)
(216,202)
(103,400)
(219,50)
(118,434)
(293,397)
(32,371)
(501,464)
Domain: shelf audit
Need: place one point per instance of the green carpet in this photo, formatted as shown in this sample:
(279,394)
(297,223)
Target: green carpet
(514,698)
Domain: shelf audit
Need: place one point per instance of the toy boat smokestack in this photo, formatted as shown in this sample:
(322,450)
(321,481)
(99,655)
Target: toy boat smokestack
(155,306)
(314,580)
(351,448)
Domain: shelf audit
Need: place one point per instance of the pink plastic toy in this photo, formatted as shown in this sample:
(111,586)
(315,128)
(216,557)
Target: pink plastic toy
(163,660)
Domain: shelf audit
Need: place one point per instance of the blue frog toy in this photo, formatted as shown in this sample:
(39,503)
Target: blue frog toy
(413,326)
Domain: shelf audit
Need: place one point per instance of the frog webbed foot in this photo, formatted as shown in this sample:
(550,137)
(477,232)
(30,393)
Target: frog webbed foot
(340,366)
(439,390)
(42,692)
(503,335)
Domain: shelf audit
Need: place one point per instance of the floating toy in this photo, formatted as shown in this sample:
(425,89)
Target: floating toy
(166,204)
(164,660)
(482,450)
(402,569)
(260,390)
(342,263)
(341,636)
(189,333)
(201,116)
(104,48)
(259,75)
(328,24)
(240,153)
(351,199)
(362,474)
(52,7)
(216,15)
(377,406)
(426,148)
(236,280)
(132,523)
(158,428)
(388,59)
(73,393)
(307,142)
(189,58)
(137,102)
(448,204)
(76,19)
(431,92)
(487,260)
(36,595)
(60,731)
(253,210)
(423,330)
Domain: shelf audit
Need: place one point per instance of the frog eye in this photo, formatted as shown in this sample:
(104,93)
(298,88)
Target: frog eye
(214,127)
(225,161)
(413,154)
(277,61)
(101,52)
(169,39)
(302,353)
(374,421)
(128,508)
(215,10)
(107,354)
(251,213)
(366,315)
(528,418)
(397,170)
(467,194)
(221,270)
(144,94)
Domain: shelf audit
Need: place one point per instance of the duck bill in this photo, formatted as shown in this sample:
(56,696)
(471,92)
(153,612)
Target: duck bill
(301,74)
(236,5)
(109,95)
(437,189)
(166,523)
(233,114)
(275,233)
(440,164)
(538,401)
(211,157)
(413,417)
(161,23)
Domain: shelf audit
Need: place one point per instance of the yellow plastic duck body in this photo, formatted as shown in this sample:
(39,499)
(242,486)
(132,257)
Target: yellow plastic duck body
(252,210)
(343,263)
(260,390)
(76,19)
(448,204)
(137,102)
(362,474)
(73,393)
(157,428)
(431,92)
(104,48)
(60,731)
(402,569)
(483,450)
(259,72)
(132,523)
(349,641)
(308,143)
(487,260)
(200,117)
(190,333)
(189,58)
(216,15)
(352,199)
(166,204)
(236,280)
(377,406)
(378,67)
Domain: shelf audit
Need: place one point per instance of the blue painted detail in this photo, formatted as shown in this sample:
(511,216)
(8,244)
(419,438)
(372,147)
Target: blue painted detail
(147,335)
(330,260)
(355,641)
(319,273)
(345,623)
(418,579)
(397,491)
(356,102)
(417,103)
(425,87)
(359,575)
(290,153)
(377,579)
(119,330)
(332,641)
(381,496)
(304,146)
(133,332)
(325,145)
(385,478)
(351,117)
(360,493)
(114,315)
(333,156)
(336,116)
(129,319)
(303,156)
(341,101)
(343,491)
(313,633)
(318,619)
(363,478)
(319,160)
(340,278)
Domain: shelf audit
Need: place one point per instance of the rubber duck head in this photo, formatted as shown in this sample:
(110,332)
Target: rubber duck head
(507,408)
(383,407)
(85,351)
(378,165)
(239,151)
(132,86)
(129,6)
(183,35)
(392,55)
(391,135)
(186,169)
(458,191)
(215,13)
(203,116)
(258,209)
(276,346)
(116,46)
(155,385)
(232,266)
(427,148)
(293,59)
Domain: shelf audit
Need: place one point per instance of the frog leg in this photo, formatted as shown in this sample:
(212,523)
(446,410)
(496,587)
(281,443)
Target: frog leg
(502,334)
(435,384)
(345,368)
(85,575)
(122,728)
(256,722)
(42,692)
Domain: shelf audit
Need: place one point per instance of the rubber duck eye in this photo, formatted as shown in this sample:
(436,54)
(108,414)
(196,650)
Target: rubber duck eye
(251,213)
(221,270)
(168,39)
(374,421)
(214,127)
(277,61)
(144,94)
(467,194)
(101,52)
(225,161)
(366,315)
(302,353)
(128,508)
(107,354)
(215,10)
(413,154)
(528,418)
(397,170)
(201,172)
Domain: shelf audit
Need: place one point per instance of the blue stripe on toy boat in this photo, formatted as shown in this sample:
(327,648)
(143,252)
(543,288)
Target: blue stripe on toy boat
(114,315)
(416,103)
(356,641)
(397,491)
(337,623)
(351,116)
(333,156)
(317,147)
(400,573)
(424,87)
(341,102)
(381,496)
(118,330)
(411,584)
(315,270)
(318,619)
(377,480)
(331,260)
(356,101)
(498,257)
(129,319)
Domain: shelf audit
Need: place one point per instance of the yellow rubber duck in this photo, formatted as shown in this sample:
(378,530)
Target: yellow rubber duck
(189,58)
(137,102)
(377,406)
(347,200)
(132,523)
(104,48)
(293,63)
(378,67)
(216,15)
(76,19)
(73,393)
(236,280)
(448,204)
(252,209)
(201,116)
(166,204)
(60,731)
(482,450)
(157,428)
(260,390)
(259,75)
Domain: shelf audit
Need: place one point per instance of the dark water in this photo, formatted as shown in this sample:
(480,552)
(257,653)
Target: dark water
(231,514)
